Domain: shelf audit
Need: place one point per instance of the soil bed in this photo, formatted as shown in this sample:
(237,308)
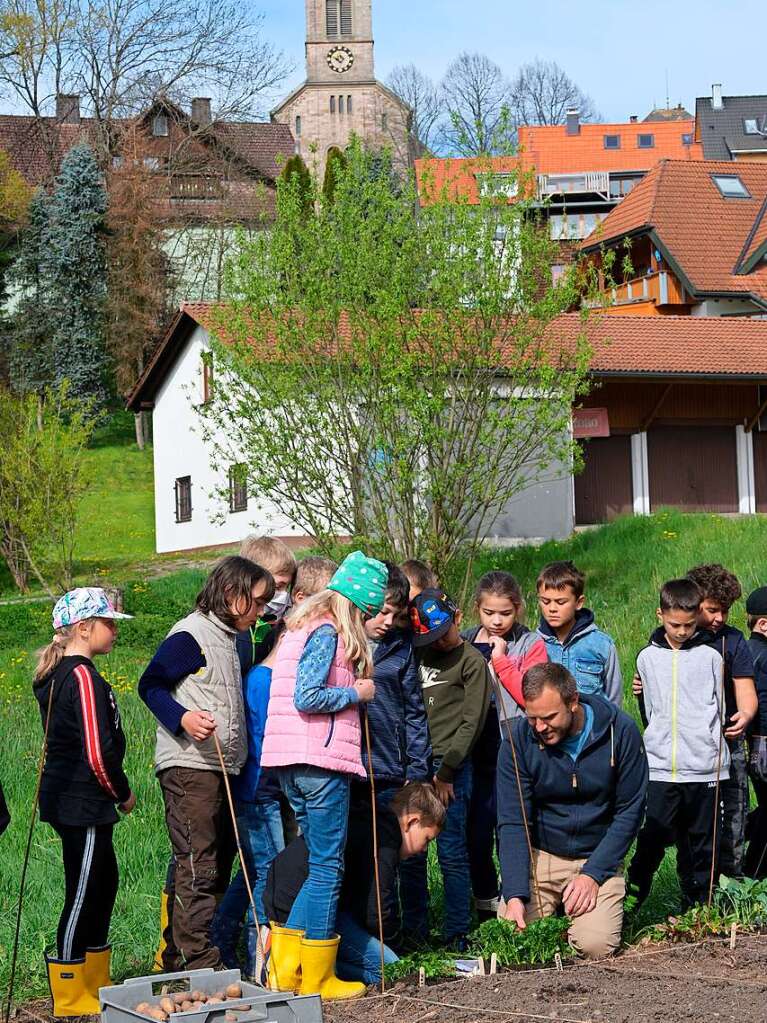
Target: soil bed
(705,981)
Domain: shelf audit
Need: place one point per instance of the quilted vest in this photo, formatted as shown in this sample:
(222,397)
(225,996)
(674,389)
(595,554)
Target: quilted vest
(331,741)
(216,688)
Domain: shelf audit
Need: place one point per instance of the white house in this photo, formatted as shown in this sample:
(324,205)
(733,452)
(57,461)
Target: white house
(188,511)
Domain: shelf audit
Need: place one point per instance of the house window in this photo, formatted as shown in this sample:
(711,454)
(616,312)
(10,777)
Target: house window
(612,141)
(348,104)
(645,141)
(338,17)
(152,163)
(117,162)
(730,186)
(332,104)
(384,122)
(298,125)
(557,272)
(238,488)
(751,126)
(687,139)
(183,489)
(621,186)
(573,226)
(340,104)
(207,376)
(160,126)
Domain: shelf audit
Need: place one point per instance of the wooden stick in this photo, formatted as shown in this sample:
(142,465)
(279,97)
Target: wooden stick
(241,854)
(718,777)
(375,843)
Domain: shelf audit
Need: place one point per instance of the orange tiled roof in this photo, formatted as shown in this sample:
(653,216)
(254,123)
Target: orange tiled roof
(457,178)
(550,150)
(707,235)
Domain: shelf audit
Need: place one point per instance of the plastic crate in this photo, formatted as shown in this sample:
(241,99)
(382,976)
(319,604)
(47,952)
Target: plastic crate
(256,1005)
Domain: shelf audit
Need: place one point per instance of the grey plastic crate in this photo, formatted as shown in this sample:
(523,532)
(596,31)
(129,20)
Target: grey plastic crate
(256,1005)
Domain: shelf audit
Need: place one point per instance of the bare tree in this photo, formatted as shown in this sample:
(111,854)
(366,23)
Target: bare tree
(542,93)
(424,99)
(36,50)
(476,95)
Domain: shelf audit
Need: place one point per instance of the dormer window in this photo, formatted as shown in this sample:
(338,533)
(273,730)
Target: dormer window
(730,186)
(751,126)
(645,141)
(612,141)
(160,125)
(338,17)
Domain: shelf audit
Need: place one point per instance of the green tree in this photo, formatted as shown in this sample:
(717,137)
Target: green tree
(335,168)
(75,271)
(296,171)
(42,481)
(394,377)
(31,324)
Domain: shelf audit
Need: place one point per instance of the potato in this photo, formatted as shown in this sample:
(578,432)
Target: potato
(143,1008)
(215,1000)
(197,1005)
(231,1017)
(180,997)
(186,1006)
(167,1005)
(221,995)
(157,1013)
(198,996)
(234,991)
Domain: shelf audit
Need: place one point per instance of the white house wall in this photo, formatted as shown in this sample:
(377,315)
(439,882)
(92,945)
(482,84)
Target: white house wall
(179,451)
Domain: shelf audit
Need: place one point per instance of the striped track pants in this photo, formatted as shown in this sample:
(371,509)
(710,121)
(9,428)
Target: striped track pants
(90,880)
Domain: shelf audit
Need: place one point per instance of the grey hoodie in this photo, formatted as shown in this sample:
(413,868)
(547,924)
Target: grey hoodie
(682,696)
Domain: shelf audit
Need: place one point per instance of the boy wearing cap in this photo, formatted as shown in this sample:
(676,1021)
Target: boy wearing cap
(456,691)
(755,862)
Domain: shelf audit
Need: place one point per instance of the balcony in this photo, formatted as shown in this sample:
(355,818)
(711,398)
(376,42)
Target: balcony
(591,183)
(195,186)
(657,290)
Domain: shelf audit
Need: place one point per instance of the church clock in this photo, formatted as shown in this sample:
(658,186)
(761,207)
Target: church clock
(340,59)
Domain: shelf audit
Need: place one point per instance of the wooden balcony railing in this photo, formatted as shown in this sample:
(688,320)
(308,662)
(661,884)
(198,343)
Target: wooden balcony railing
(660,287)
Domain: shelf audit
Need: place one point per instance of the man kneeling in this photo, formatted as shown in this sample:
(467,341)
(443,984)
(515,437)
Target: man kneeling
(582,772)
(414,818)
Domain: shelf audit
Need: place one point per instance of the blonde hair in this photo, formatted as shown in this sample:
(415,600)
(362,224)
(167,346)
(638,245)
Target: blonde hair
(348,621)
(313,575)
(49,658)
(270,553)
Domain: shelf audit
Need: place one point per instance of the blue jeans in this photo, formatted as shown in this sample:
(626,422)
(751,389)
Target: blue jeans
(453,857)
(359,953)
(320,800)
(260,827)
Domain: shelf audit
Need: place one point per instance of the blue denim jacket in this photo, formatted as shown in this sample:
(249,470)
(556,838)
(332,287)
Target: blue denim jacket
(589,655)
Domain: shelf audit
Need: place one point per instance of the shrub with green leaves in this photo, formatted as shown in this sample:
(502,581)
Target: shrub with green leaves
(537,944)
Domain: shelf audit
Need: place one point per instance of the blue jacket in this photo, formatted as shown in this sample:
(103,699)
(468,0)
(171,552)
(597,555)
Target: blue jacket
(250,785)
(588,809)
(398,729)
(589,655)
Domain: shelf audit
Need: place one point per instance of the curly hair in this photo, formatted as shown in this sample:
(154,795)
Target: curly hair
(717,584)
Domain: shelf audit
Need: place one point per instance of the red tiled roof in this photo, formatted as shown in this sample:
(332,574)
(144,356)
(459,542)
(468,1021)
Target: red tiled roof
(706,234)
(550,150)
(661,346)
(457,178)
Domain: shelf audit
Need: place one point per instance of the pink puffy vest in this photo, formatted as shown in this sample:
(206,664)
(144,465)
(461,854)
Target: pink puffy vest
(331,741)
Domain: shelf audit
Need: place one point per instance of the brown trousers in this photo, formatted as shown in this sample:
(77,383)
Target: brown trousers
(202,839)
(595,934)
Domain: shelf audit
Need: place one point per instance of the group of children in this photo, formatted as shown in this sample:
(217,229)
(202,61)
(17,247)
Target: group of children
(302,683)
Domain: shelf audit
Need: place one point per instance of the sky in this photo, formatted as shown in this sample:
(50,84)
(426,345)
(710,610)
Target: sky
(617,51)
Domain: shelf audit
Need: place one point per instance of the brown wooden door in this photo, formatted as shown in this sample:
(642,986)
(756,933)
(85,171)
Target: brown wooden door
(693,468)
(760,470)
(604,490)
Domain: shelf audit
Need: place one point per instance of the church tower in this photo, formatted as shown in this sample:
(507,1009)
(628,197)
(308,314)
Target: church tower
(341,96)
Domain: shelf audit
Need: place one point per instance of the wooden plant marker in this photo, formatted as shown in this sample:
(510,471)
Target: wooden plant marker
(733,935)
(558,962)
(422,977)
(493,964)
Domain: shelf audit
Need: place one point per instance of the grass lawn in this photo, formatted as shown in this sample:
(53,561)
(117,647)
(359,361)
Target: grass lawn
(625,563)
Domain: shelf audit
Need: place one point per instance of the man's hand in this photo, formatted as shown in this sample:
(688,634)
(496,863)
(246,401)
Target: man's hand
(445,791)
(739,722)
(128,805)
(366,689)
(580,896)
(514,912)
(199,725)
(636,685)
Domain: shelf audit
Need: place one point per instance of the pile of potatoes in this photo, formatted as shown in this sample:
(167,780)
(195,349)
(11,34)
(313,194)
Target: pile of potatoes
(187,1001)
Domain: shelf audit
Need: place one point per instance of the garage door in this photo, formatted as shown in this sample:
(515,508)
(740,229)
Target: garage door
(693,468)
(760,469)
(603,490)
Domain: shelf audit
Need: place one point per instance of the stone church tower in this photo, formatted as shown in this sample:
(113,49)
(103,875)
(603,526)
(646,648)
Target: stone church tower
(341,96)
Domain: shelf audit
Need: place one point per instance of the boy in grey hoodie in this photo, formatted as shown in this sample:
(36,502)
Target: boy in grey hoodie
(682,707)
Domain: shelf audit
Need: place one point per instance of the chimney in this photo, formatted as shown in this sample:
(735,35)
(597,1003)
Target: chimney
(634,119)
(716,97)
(573,122)
(201,111)
(67,109)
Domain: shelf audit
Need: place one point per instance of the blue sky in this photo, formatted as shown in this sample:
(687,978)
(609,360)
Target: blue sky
(618,51)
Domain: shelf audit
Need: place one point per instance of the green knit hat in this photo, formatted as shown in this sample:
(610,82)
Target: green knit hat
(363,581)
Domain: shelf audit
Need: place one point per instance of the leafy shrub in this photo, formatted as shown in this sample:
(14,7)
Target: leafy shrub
(538,943)
(436,966)
(743,902)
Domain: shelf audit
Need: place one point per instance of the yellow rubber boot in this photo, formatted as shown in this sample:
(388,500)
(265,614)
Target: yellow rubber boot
(285,959)
(318,972)
(98,962)
(158,966)
(70,995)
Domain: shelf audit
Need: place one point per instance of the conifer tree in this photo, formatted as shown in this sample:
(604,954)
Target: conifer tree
(295,167)
(334,170)
(31,325)
(75,272)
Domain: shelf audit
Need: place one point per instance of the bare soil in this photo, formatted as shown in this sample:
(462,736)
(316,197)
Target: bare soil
(705,981)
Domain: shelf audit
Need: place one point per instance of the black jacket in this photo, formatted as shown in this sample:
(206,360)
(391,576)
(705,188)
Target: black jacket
(399,732)
(591,809)
(83,777)
(757,644)
(358,894)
